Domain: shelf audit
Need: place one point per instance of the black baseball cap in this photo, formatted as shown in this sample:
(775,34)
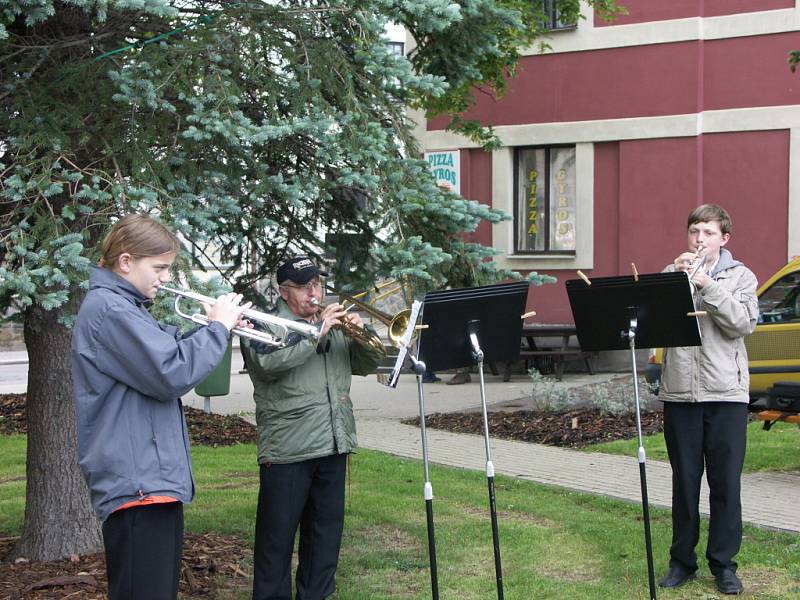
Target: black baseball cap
(300,270)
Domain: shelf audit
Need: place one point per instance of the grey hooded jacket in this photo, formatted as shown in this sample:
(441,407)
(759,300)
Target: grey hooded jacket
(717,370)
(128,373)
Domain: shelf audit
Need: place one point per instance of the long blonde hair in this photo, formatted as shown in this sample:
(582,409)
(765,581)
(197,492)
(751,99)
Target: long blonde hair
(139,236)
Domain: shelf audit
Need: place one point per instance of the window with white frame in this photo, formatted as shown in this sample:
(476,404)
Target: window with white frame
(553,15)
(544,200)
(397,48)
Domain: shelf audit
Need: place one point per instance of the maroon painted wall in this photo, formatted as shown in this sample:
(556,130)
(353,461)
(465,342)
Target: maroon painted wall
(658,188)
(713,8)
(750,71)
(748,174)
(601,84)
(640,11)
(606,206)
(476,174)
(641,205)
(641,81)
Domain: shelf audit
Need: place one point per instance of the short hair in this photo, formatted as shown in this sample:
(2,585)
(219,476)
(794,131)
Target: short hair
(138,235)
(710,212)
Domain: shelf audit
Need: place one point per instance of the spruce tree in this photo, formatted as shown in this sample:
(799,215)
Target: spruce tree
(253,128)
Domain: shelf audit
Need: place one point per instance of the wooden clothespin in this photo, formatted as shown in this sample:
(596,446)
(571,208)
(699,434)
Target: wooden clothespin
(528,314)
(635,272)
(584,277)
(697,313)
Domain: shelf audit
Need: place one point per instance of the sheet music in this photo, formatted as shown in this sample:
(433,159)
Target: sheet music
(406,341)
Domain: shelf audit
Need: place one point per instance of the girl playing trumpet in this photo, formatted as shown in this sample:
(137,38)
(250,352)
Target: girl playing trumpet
(128,373)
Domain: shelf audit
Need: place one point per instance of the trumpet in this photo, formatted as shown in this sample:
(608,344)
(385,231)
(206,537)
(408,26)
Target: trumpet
(695,268)
(358,334)
(283,326)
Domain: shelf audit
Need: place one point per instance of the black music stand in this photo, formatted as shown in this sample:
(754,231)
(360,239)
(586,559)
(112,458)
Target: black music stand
(468,326)
(611,313)
(418,368)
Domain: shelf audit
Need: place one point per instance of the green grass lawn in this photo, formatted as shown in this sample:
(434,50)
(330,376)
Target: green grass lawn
(555,544)
(775,450)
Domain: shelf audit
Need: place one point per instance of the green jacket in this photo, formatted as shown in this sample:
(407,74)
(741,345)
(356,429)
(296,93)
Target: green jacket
(302,395)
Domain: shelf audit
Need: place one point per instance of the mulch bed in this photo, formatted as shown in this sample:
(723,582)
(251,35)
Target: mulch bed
(571,428)
(581,425)
(12,414)
(212,563)
(208,429)
(205,429)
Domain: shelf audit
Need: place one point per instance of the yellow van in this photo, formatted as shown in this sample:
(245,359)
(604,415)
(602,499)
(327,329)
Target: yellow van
(773,349)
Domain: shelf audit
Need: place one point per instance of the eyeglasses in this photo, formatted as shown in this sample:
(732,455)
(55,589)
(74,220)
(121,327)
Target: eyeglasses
(311,286)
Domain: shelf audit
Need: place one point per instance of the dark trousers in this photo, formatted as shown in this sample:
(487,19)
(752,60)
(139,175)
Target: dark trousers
(309,494)
(143,552)
(714,435)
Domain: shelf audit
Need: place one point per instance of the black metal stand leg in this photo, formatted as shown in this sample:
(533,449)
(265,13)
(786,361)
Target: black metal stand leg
(490,482)
(651,576)
(419,368)
(431,543)
(631,334)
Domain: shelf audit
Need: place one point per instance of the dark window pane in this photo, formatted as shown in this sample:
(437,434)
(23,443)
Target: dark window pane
(531,189)
(562,199)
(545,204)
(781,302)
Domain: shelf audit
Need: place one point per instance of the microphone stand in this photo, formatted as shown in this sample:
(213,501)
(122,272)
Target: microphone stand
(631,335)
(477,354)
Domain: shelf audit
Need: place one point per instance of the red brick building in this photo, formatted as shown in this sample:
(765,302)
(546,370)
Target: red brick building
(614,135)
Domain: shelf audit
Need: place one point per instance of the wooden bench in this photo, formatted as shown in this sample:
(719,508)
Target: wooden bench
(559,356)
(770,417)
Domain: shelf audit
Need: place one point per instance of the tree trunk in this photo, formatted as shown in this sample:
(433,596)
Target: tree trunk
(59,520)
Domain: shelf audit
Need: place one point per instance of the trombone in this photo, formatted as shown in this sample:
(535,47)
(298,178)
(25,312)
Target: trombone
(397,324)
(284,326)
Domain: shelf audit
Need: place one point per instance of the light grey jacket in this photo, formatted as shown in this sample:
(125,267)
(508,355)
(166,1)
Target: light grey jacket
(717,370)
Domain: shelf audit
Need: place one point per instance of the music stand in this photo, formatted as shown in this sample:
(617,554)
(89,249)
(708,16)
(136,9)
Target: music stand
(445,343)
(418,368)
(611,313)
(468,326)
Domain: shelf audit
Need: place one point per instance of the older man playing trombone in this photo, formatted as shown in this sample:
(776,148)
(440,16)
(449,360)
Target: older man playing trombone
(306,429)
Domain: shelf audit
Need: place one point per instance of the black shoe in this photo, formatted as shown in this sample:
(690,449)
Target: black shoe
(676,577)
(430,378)
(728,582)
